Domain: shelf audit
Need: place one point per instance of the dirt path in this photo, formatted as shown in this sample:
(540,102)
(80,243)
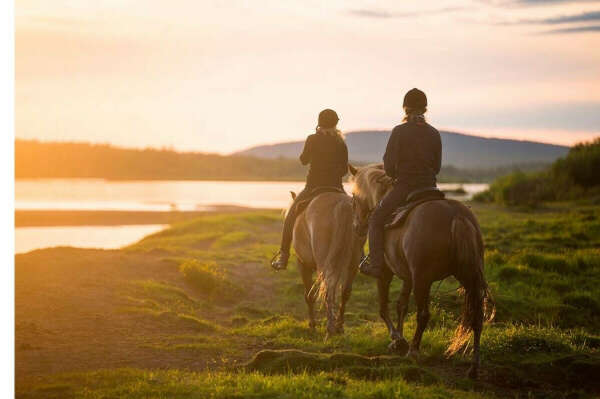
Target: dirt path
(71,309)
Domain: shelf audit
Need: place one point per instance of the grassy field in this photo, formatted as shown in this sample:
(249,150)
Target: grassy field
(194,311)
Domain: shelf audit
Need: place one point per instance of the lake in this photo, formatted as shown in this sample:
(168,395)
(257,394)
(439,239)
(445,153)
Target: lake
(106,237)
(159,196)
(98,194)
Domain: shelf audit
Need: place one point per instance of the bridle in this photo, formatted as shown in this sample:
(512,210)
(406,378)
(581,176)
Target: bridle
(364,226)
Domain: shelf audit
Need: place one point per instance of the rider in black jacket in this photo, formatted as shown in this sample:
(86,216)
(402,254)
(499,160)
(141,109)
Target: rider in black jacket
(413,158)
(327,154)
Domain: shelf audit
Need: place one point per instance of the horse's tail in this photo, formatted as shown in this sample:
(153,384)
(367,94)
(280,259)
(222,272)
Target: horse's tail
(467,246)
(337,262)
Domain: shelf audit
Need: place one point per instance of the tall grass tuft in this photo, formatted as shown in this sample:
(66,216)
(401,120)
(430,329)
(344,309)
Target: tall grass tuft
(208,280)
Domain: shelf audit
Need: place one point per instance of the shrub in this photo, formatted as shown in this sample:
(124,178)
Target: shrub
(208,280)
(519,188)
(572,177)
(581,165)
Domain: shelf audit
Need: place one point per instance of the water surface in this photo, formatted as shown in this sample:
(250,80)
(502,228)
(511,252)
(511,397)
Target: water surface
(98,194)
(106,195)
(106,237)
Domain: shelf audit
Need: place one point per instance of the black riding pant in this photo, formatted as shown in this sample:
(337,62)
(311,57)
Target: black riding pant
(290,218)
(380,216)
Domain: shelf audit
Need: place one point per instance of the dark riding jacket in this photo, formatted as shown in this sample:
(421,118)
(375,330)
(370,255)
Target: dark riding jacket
(328,159)
(413,156)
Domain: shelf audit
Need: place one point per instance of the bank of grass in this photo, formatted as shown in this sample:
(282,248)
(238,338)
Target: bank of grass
(132,383)
(543,268)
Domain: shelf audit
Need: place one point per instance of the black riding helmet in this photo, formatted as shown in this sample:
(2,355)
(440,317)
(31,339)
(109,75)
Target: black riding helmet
(415,98)
(328,118)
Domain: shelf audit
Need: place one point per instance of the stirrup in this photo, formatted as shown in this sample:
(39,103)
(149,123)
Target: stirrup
(279,264)
(367,268)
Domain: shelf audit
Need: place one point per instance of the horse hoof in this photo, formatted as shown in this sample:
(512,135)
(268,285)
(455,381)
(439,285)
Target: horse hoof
(473,373)
(328,336)
(413,354)
(396,336)
(399,346)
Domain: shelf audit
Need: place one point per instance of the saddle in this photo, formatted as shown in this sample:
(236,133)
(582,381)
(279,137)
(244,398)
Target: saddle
(413,200)
(300,206)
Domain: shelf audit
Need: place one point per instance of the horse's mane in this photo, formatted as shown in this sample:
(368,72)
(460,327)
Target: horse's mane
(371,183)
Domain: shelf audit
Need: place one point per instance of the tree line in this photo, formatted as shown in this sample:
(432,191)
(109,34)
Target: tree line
(35,159)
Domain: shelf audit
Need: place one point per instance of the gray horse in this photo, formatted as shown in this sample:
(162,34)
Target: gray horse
(438,239)
(325,242)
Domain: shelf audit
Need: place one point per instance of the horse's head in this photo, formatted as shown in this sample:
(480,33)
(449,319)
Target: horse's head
(360,204)
(370,184)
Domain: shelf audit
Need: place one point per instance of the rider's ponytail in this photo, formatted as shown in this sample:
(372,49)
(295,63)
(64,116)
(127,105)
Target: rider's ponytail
(414,114)
(333,131)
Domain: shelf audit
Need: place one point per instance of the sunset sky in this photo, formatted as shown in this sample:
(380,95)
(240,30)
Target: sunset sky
(220,76)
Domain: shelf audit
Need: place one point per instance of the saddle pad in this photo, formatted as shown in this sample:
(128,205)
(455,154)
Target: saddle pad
(300,206)
(400,214)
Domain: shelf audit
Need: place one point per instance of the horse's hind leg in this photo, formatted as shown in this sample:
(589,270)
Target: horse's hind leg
(383,291)
(399,344)
(310,294)
(422,299)
(330,308)
(477,325)
(346,291)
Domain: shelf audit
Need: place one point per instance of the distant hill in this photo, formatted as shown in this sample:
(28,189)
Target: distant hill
(459,150)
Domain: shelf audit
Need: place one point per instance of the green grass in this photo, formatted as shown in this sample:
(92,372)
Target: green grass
(181,384)
(543,268)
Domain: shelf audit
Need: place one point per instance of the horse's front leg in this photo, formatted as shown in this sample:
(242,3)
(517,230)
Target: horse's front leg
(383,291)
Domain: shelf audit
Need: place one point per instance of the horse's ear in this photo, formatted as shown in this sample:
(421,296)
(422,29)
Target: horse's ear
(352,170)
(293,194)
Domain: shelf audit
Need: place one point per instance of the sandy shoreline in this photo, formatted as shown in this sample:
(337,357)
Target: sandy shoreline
(47,218)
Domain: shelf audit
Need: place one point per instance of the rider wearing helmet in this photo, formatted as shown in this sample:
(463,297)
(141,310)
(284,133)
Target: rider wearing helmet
(327,154)
(412,158)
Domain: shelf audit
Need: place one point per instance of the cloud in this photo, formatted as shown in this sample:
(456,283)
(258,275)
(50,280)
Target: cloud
(371,13)
(385,14)
(583,17)
(542,2)
(576,29)
(566,116)
(590,16)
(502,3)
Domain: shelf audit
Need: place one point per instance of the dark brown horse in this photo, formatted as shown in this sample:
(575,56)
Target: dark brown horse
(438,239)
(325,242)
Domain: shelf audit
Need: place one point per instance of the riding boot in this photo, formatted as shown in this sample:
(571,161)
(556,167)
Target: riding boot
(370,268)
(367,268)
(280,260)
(373,264)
